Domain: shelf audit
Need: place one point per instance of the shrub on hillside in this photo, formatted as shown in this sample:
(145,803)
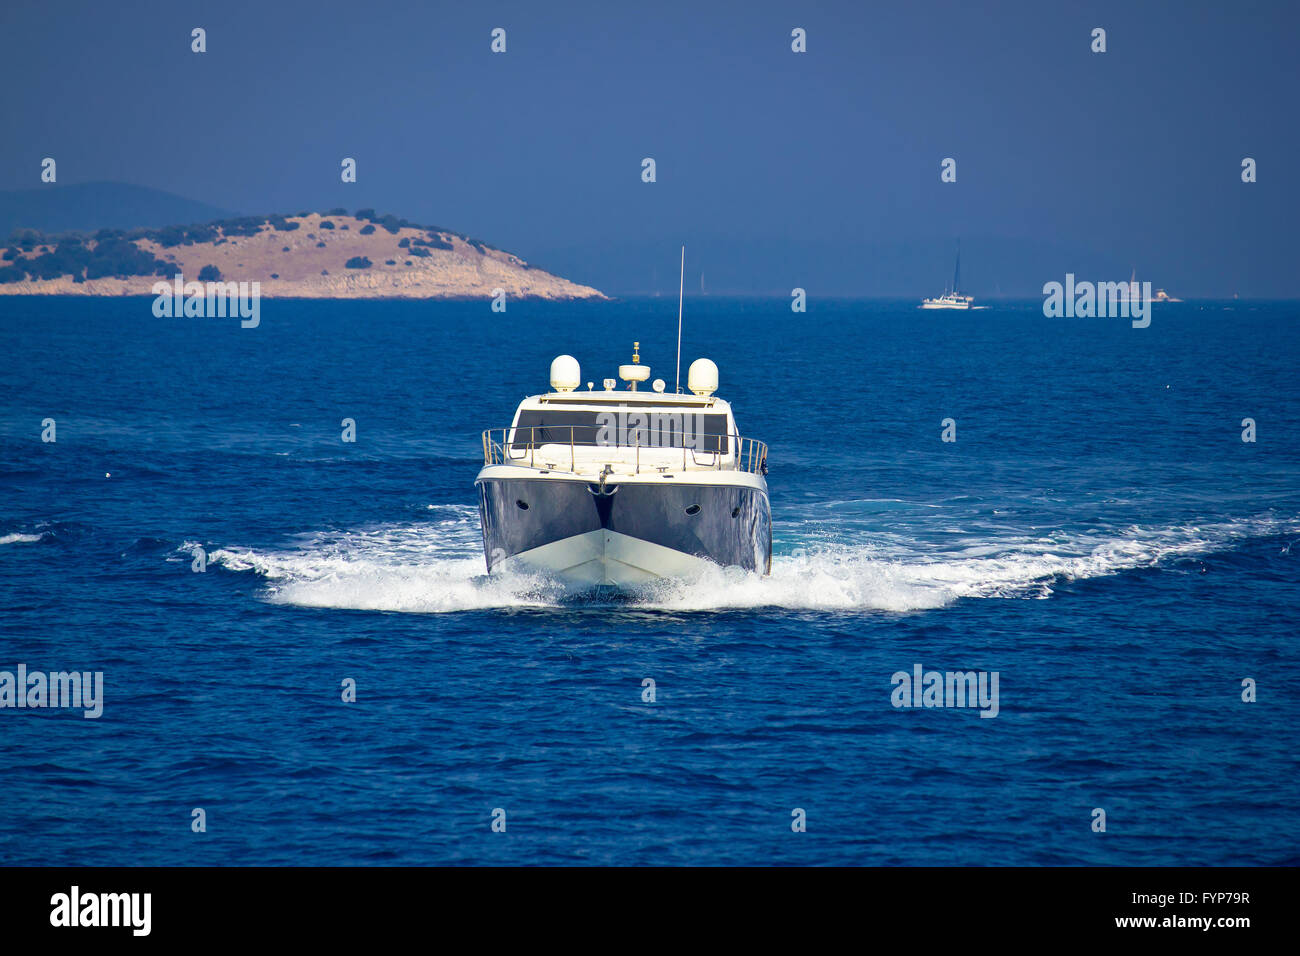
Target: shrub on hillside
(202,233)
(169,236)
(69,257)
(366,229)
(123,259)
(209,274)
(244,226)
(358,262)
(26,239)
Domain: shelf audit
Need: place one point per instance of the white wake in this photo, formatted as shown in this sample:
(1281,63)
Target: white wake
(437,566)
(18,538)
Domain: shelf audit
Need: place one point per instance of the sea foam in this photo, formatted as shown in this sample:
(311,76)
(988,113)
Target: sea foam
(437,567)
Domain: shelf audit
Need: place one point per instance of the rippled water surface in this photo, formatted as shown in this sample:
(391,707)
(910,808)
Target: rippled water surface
(1098,534)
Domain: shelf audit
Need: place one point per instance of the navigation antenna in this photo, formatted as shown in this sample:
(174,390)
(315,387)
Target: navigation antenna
(681,288)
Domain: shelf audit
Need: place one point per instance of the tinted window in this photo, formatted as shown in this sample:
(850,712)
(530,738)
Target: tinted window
(649,428)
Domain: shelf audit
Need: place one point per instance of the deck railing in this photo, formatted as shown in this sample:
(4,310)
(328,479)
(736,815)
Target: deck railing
(520,446)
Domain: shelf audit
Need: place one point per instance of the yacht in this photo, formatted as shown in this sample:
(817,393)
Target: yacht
(949,300)
(953,299)
(1132,292)
(619,486)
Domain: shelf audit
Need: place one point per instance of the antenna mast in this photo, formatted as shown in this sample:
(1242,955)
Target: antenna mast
(681,289)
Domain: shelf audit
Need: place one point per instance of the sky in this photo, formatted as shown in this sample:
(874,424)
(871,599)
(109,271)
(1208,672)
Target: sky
(776,169)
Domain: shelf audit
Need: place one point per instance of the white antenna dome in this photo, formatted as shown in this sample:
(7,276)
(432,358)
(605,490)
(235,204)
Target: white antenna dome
(566,374)
(702,377)
(636,372)
(658,385)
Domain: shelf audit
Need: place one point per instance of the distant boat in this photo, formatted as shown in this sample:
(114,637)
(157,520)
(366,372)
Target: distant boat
(1132,292)
(953,299)
(949,300)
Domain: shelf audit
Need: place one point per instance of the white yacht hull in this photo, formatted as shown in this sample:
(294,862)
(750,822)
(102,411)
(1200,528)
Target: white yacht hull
(606,559)
(626,531)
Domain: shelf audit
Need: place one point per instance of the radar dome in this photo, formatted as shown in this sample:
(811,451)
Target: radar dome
(702,377)
(566,374)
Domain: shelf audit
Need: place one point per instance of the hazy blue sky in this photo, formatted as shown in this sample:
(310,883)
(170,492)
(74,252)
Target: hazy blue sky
(776,169)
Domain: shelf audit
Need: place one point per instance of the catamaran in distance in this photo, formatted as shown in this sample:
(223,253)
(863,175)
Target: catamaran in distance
(951,299)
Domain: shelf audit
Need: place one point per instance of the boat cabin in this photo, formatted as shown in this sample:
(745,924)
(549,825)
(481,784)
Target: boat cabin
(625,431)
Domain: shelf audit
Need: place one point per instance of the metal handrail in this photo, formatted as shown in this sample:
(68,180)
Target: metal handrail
(506,446)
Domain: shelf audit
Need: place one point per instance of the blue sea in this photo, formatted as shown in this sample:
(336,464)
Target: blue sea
(1098,534)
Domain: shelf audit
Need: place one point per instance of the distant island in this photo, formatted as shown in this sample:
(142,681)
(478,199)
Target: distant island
(333,255)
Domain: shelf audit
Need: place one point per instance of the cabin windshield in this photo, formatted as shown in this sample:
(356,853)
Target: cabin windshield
(628,426)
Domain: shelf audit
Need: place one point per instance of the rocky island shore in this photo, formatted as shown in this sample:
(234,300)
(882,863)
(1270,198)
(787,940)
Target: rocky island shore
(332,255)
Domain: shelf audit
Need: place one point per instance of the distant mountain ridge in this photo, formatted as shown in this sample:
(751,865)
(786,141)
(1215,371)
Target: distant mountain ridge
(87,207)
(638,264)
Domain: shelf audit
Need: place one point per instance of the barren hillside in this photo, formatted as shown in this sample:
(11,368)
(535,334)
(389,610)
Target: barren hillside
(308,256)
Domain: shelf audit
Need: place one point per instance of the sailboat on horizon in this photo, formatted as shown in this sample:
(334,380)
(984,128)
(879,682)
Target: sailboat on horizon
(951,299)
(1133,292)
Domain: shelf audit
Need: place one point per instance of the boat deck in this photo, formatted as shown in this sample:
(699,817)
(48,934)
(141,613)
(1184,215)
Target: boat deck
(524,447)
